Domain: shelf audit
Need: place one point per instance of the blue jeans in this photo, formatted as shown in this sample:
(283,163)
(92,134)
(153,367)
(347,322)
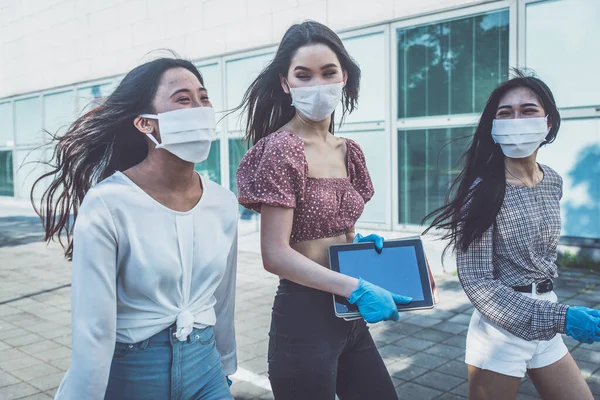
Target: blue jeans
(162,367)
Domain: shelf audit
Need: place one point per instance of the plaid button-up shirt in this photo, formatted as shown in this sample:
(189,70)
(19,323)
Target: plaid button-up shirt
(519,249)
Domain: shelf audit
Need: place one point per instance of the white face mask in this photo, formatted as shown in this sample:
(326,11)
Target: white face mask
(519,137)
(187,133)
(317,102)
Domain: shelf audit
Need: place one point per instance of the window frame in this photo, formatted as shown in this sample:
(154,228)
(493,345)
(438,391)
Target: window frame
(435,122)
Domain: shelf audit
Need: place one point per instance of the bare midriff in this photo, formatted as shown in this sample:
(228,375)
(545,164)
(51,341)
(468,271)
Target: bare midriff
(316,249)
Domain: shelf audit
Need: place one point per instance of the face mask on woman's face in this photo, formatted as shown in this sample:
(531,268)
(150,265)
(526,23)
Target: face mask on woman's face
(519,137)
(317,102)
(186,133)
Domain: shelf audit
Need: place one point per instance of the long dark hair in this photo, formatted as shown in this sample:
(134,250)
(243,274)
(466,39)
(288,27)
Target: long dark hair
(484,160)
(100,142)
(268,106)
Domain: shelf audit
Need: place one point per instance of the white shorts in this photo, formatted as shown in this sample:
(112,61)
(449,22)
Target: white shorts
(492,348)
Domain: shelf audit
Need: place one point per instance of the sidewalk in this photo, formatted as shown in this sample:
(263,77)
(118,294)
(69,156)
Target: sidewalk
(424,351)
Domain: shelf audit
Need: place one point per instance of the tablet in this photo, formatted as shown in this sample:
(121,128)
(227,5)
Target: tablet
(400,268)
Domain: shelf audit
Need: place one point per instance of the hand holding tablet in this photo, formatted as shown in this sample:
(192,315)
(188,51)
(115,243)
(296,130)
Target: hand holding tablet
(401,268)
(376,304)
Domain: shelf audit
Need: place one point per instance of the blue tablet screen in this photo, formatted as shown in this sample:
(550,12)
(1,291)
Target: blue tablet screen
(395,269)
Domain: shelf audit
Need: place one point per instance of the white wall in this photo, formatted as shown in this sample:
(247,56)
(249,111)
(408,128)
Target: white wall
(49,43)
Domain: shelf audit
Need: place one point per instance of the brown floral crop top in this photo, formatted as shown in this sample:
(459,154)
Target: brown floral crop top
(274,172)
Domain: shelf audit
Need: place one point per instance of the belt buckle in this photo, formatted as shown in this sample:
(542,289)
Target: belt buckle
(544,286)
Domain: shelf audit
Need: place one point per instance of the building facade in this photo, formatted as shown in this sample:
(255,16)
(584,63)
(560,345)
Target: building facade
(428,67)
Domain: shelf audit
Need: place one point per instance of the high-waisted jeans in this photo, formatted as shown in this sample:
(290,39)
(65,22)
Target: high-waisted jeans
(313,354)
(162,367)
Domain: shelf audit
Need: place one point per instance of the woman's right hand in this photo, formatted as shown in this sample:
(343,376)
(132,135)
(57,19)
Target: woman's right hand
(375,303)
(583,324)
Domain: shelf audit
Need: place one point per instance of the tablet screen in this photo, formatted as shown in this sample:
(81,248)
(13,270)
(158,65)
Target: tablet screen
(395,269)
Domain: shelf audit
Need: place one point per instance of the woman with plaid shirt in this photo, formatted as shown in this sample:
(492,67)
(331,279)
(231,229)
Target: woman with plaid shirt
(503,221)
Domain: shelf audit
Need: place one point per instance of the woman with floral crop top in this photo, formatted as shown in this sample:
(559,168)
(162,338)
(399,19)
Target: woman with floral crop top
(310,188)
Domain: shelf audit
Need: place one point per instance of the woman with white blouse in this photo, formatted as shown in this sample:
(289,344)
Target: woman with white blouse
(153,244)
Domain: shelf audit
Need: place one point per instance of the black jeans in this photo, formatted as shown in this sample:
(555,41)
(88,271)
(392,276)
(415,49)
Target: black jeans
(313,354)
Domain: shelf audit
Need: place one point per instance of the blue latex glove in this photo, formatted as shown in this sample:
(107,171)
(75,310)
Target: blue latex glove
(375,303)
(229,381)
(583,324)
(378,240)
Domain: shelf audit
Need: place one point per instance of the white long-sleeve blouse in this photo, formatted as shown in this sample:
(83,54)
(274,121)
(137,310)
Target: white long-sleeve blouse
(140,267)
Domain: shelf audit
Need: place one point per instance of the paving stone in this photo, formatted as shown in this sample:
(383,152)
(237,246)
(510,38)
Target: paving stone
(594,384)
(243,340)
(433,335)
(428,361)
(38,396)
(35,371)
(587,368)
(412,391)
(521,396)
(444,350)
(459,341)
(62,363)
(461,390)
(425,321)
(7,379)
(4,346)
(450,396)
(440,314)
(47,382)
(52,354)
(392,353)
(406,328)
(455,368)
(527,387)
(386,337)
(414,343)
(17,391)
(462,319)
(23,340)
(583,354)
(439,381)
(37,347)
(451,327)
(405,370)
(8,334)
(258,365)
(23,361)
(246,390)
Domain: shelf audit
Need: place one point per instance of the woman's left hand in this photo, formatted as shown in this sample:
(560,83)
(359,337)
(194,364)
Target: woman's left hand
(376,239)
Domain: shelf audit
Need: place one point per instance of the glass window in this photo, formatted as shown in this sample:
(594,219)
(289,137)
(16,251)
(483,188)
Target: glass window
(451,67)
(237,149)
(575,155)
(566,58)
(29,166)
(240,74)
(211,167)
(374,146)
(6,125)
(28,121)
(90,97)
(369,53)
(59,109)
(427,166)
(212,81)
(6,174)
